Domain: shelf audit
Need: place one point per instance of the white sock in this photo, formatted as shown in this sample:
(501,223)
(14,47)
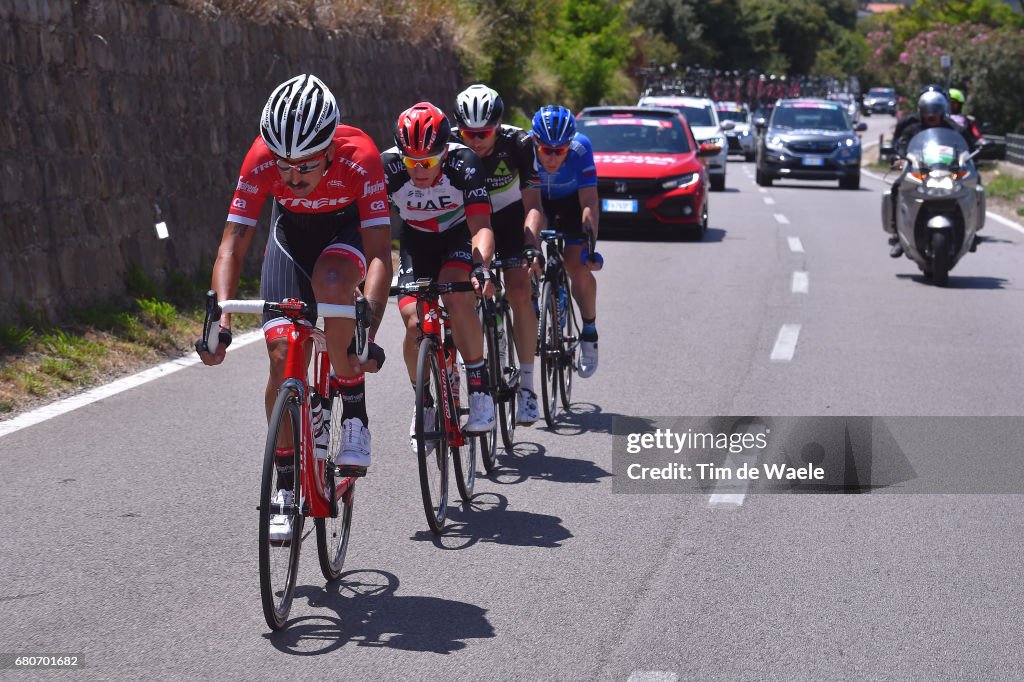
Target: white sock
(526,377)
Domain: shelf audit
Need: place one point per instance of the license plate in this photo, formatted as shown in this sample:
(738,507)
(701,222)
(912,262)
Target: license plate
(619,205)
(814,161)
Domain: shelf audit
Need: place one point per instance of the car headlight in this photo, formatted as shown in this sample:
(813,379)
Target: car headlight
(717,141)
(852,141)
(774,142)
(680,181)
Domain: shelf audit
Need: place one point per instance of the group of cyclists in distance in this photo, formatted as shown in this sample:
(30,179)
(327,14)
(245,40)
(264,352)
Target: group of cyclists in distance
(464,195)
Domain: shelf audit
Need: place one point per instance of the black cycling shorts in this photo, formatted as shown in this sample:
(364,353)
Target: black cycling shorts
(566,216)
(509,238)
(295,243)
(425,254)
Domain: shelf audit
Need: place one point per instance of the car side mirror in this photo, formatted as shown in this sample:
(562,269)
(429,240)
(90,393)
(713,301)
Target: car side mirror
(861,127)
(708,149)
(728,125)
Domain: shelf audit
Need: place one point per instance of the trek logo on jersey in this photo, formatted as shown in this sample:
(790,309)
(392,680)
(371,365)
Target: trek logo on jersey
(244,186)
(239,203)
(352,164)
(315,204)
(434,204)
(263,166)
(373,188)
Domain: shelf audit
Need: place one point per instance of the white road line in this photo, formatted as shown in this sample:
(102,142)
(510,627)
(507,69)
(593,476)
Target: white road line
(737,487)
(100,392)
(781,219)
(762,190)
(785,343)
(652,676)
(769,201)
(988,214)
(801,282)
(795,245)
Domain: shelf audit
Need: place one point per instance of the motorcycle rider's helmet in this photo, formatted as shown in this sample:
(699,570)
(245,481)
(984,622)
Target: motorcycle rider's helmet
(935,87)
(932,107)
(956,100)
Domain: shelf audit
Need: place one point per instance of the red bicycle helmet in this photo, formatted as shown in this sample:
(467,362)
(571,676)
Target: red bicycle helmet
(422,130)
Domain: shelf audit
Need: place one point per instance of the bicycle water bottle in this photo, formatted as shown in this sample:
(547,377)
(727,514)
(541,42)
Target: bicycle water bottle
(321,410)
(563,307)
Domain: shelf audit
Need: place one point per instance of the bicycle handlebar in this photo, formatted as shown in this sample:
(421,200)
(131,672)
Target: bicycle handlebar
(291,308)
(430,288)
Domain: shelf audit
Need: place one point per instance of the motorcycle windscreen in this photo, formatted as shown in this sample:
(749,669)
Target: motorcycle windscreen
(936,149)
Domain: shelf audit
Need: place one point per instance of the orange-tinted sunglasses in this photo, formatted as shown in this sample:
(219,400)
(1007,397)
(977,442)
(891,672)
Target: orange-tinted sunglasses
(427,162)
(553,151)
(482,134)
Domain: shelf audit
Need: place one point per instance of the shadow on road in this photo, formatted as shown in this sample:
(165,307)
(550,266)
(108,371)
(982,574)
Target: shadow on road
(488,519)
(369,613)
(532,461)
(960,282)
(667,236)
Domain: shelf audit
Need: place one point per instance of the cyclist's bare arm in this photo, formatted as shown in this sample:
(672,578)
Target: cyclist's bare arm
(379,271)
(483,244)
(534,216)
(227,270)
(589,204)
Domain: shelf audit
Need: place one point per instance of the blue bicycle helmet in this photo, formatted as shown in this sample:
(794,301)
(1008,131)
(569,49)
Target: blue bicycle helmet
(554,126)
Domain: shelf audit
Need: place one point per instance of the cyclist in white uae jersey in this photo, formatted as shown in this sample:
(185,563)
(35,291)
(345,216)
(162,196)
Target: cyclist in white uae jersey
(439,193)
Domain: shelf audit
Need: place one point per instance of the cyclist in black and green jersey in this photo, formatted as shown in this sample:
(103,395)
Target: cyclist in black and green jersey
(507,157)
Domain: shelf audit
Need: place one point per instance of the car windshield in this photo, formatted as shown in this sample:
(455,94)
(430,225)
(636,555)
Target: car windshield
(881,92)
(697,116)
(809,118)
(635,135)
(738,116)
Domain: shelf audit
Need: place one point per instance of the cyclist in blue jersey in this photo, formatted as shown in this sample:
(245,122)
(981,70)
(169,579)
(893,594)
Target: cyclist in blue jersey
(568,185)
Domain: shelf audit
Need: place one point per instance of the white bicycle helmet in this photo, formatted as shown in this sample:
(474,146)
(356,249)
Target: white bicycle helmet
(478,106)
(299,118)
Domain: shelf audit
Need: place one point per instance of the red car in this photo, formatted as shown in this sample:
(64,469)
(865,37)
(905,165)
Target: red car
(649,170)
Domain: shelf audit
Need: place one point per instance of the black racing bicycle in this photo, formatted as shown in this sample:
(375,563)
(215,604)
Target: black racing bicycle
(558,329)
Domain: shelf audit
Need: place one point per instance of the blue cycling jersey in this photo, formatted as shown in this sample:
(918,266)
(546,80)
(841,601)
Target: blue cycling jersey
(576,172)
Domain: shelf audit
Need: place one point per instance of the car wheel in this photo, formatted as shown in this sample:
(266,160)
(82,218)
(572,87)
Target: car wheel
(748,157)
(850,183)
(762,179)
(697,232)
(718,183)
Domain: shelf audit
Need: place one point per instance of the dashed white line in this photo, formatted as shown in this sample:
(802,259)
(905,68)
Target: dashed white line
(99,393)
(781,219)
(769,201)
(801,282)
(795,245)
(785,343)
(762,190)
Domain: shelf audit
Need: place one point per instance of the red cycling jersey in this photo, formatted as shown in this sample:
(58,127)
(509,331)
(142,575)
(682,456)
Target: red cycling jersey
(355,175)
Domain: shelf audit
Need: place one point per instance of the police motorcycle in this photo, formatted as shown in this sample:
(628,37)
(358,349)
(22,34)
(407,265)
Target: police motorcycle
(940,204)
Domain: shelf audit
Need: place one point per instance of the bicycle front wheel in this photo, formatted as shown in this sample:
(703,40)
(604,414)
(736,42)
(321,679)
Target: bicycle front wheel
(332,533)
(281,520)
(550,350)
(570,344)
(509,368)
(432,436)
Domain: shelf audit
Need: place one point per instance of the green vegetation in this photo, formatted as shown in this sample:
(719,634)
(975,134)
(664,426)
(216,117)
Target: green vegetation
(43,361)
(1007,187)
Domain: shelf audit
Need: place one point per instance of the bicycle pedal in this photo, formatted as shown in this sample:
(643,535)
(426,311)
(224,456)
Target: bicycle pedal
(347,470)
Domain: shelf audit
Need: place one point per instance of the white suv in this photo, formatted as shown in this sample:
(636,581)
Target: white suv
(700,114)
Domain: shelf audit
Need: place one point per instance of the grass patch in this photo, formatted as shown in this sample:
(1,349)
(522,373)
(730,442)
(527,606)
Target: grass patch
(13,339)
(1002,186)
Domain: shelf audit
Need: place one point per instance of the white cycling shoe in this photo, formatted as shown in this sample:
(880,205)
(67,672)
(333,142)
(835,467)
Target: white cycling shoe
(481,413)
(355,444)
(588,358)
(280,524)
(429,415)
(528,411)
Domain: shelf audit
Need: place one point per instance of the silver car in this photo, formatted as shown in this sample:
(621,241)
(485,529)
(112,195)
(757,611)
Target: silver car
(741,138)
(702,118)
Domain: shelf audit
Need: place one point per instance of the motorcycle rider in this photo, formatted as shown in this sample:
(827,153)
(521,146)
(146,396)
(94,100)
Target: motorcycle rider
(932,112)
(956,112)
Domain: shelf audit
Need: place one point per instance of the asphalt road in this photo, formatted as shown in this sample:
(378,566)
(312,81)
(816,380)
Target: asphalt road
(129,525)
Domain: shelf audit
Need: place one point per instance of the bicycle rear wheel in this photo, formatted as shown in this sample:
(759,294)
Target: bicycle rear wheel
(433,461)
(509,369)
(332,533)
(550,350)
(279,560)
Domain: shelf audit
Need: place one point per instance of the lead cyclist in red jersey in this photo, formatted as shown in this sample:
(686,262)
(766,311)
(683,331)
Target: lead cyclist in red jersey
(330,231)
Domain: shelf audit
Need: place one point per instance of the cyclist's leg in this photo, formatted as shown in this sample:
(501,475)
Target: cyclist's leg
(584,284)
(466,329)
(508,236)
